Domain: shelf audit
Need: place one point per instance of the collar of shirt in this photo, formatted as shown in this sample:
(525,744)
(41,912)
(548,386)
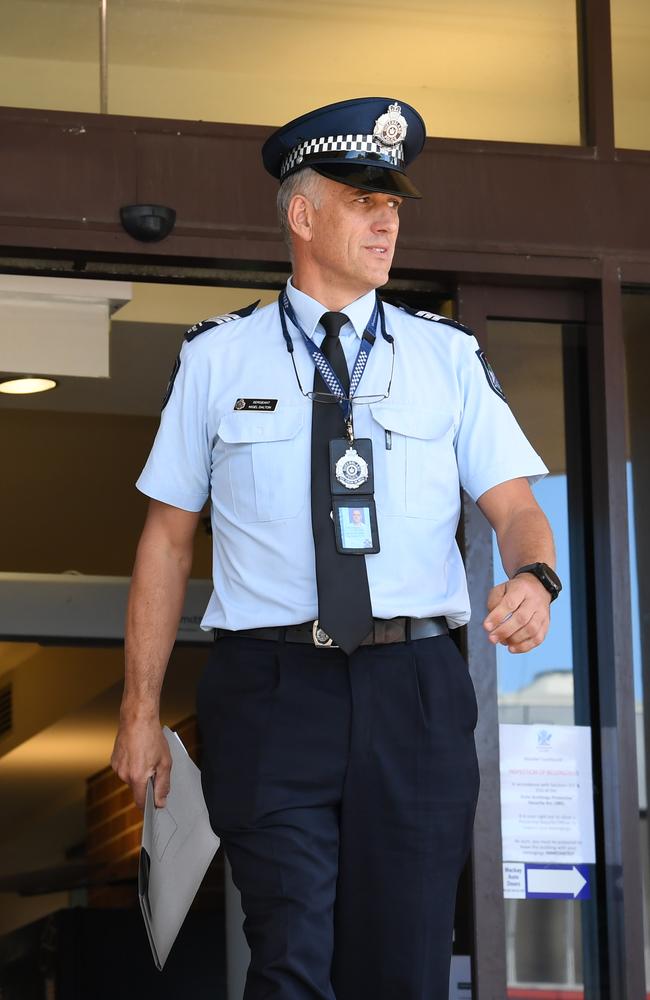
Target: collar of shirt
(309,312)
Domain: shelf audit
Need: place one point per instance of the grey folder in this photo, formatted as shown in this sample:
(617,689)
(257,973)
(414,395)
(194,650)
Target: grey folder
(178,845)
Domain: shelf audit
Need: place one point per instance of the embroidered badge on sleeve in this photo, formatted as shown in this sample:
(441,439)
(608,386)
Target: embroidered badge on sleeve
(170,384)
(491,375)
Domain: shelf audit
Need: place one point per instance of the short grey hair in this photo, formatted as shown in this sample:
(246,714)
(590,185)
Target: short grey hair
(306,182)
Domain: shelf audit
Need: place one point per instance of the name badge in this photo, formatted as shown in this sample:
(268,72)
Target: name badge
(266,405)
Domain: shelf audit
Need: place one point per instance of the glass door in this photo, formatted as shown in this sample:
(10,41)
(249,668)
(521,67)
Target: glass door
(544,346)
(550,943)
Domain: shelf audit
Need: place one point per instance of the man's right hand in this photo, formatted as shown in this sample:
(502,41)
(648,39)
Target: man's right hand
(141,751)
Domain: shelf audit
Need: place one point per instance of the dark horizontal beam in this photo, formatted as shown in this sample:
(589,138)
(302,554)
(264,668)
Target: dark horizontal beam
(489,207)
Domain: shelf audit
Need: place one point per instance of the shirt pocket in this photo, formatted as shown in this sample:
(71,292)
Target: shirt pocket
(415,462)
(263,464)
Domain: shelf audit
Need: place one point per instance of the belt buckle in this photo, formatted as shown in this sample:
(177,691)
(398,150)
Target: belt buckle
(320,637)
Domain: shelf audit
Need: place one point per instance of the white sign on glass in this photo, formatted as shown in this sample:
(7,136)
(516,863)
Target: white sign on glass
(547,816)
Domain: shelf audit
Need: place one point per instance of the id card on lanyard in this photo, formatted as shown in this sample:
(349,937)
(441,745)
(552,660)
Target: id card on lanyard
(351,471)
(352,486)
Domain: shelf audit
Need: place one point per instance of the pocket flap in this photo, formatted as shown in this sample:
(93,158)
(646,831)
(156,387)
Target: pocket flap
(416,422)
(247,426)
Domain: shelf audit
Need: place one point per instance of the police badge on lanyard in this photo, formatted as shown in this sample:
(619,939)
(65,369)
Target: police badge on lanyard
(353,503)
(351,466)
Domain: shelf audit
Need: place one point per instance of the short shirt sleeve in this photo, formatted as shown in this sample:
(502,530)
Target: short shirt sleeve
(491,447)
(177,471)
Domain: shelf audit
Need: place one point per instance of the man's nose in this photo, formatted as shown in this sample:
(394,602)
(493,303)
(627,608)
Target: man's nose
(386,221)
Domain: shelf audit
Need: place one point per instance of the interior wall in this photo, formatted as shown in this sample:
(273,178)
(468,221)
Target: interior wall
(71,457)
(69,501)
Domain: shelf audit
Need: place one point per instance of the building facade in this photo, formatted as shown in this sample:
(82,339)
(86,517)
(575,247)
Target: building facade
(534,231)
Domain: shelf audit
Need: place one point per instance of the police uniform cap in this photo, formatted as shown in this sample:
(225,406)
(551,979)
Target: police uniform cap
(365,142)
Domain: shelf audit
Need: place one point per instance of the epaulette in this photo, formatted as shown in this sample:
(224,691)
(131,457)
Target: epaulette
(435,318)
(489,371)
(208,324)
(198,328)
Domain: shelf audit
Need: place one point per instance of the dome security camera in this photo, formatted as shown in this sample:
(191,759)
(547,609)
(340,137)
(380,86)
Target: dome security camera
(148,223)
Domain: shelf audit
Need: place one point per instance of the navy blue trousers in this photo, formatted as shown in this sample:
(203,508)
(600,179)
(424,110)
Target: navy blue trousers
(344,791)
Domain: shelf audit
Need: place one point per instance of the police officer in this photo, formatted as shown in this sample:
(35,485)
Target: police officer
(336,713)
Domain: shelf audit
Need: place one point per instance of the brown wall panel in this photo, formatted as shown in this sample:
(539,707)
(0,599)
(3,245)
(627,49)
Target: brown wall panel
(66,172)
(202,178)
(60,168)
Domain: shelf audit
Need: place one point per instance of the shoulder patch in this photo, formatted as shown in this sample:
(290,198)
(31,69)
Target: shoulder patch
(435,318)
(170,384)
(491,375)
(208,324)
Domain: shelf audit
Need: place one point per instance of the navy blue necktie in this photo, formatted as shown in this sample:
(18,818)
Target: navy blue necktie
(344,608)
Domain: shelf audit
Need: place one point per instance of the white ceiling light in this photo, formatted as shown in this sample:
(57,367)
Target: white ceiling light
(23,386)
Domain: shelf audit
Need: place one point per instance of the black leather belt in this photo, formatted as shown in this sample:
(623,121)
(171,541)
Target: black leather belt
(384,630)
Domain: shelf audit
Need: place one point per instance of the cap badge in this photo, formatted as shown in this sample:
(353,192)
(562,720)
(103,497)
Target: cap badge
(390,128)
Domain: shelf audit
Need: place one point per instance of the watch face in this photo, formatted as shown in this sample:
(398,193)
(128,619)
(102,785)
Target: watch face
(546,576)
(552,577)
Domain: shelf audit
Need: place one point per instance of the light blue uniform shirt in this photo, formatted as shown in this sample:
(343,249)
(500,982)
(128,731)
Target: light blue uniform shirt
(443,426)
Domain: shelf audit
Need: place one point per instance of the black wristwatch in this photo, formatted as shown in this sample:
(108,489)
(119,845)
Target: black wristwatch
(546,576)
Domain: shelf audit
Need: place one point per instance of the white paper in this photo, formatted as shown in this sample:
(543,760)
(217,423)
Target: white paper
(178,844)
(547,811)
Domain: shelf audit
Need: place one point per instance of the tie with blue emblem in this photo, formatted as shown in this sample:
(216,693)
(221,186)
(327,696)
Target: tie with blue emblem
(344,608)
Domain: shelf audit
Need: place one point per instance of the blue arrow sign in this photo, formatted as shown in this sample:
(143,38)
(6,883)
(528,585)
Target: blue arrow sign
(558,882)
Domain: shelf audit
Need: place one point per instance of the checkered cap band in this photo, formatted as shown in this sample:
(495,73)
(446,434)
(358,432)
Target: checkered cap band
(360,144)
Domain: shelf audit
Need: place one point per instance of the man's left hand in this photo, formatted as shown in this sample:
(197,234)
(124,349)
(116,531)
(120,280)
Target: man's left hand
(518,613)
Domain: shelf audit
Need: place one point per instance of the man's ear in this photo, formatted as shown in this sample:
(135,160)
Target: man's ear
(300,216)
